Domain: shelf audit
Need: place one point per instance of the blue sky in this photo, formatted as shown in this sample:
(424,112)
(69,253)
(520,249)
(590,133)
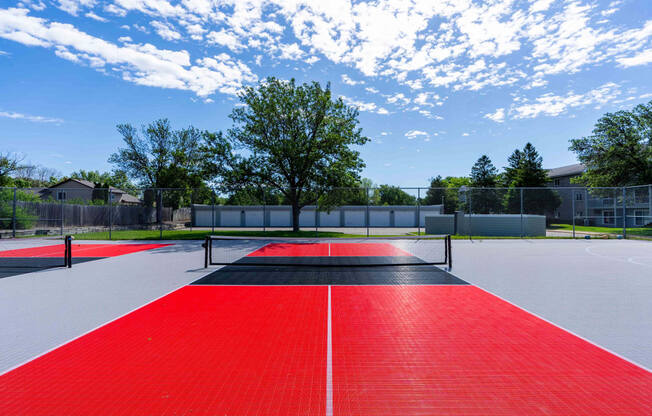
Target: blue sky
(437,83)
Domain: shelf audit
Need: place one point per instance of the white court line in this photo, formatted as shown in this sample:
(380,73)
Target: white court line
(90,330)
(329,249)
(329,361)
(565,329)
(629,260)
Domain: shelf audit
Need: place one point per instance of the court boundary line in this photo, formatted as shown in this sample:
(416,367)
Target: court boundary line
(29,360)
(636,364)
(329,360)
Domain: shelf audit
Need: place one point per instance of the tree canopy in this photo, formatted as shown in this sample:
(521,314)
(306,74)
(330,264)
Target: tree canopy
(525,170)
(295,139)
(393,195)
(619,152)
(163,158)
(484,198)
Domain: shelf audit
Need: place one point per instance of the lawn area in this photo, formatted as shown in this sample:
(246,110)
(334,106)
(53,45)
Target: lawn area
(645,232)
(201,234)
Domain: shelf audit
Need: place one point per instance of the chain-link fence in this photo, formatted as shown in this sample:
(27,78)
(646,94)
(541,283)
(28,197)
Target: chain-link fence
(378,211)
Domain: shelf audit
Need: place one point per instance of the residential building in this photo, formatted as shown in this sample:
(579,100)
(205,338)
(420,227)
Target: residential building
(598,206)
(80,189)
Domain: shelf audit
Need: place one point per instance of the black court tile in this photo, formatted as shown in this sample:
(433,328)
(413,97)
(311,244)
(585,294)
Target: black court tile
(340,261)
(12,266)
(309,275)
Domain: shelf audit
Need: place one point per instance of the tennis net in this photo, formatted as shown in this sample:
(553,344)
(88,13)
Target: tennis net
(328,252)
(42,257)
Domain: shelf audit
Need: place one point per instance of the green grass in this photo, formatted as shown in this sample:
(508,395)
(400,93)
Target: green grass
(201,234)
(645,231)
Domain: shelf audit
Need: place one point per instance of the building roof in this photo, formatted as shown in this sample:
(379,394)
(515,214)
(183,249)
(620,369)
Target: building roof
(570,170)
(125,196)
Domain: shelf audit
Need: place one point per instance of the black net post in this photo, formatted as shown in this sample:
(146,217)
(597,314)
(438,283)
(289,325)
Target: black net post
(449,252)
(13,216)
(207,242)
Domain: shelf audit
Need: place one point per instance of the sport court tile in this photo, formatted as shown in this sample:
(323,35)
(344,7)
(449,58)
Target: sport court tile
(80,250)
(317,275)
(458,350)
(199,351)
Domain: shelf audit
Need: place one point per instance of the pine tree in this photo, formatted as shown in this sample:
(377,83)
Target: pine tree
(484,197)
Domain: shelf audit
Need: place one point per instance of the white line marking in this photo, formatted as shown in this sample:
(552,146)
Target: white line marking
(89,331)
(629,260)
(329,249)
(329,361)
(565,329)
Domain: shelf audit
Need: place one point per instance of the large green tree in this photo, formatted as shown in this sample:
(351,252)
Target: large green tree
(160,157)
(296,139)
(484,197)
(619,152)
(393,195)
(525,170)
(446,191)
(9,163)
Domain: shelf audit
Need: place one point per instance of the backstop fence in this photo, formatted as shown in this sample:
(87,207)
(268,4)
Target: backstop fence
(378,211)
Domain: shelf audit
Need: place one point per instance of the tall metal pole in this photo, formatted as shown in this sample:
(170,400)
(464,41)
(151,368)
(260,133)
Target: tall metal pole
(419,211)
(110,213)
(213,212)
(367,219)
(624,212)
(13,217)
(573,209)
(62,217)
(522,213)
(160,214)
(264,211)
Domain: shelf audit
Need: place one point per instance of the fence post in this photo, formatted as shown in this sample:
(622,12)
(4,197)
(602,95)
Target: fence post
(316,216)
(13,217)
(468,201)
(367,219)
(573,210)
(213,213)
(624,212)
(62,217)
(521,212)
(110,213)
(160,214)
(419,211)
(264,211)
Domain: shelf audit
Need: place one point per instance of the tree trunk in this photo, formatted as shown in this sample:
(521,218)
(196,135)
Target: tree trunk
(295,216)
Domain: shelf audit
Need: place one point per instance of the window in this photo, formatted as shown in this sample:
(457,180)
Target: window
(61,195)
(579,196)
(608,217)
(557,182)
(639,218)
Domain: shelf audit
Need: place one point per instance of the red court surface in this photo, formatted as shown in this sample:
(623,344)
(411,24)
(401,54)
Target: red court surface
(262,350)
(81,250)
(328,250)
(197,351)
(457,350)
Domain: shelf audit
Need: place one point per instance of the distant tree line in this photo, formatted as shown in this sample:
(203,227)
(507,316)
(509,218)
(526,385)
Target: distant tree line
(297,145)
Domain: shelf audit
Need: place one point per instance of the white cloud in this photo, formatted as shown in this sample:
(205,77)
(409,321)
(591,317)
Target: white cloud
(291,51)
(27,117)
(95,17)
(165,30)
(465,134)
(143,64)
(363,106)
(384,133)
(349,81)
(73,6)
(498,116)
(398,99)
(412,134)
(113,9)
(642,58)
(553,105)
(312,60)
(3,53)
(372,90)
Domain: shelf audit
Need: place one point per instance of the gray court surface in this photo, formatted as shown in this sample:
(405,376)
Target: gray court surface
(600,290)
